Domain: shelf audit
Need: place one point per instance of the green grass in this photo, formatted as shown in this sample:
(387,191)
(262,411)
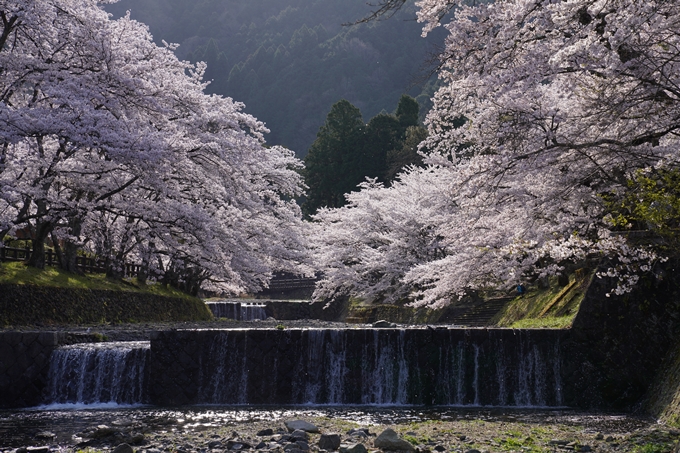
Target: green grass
(16,273)
(561,322)
(554,307)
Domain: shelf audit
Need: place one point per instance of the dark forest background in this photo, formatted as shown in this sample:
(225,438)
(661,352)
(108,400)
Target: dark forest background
(289,61)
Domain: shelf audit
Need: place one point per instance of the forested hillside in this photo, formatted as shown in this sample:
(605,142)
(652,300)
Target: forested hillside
(289,61)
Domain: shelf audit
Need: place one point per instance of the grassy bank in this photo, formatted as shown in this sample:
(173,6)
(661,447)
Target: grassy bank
(552,307)
(30,296)
(16,273)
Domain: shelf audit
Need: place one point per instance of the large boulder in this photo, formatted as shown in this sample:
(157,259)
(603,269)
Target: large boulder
(389,440)
(329,442)
(292,425)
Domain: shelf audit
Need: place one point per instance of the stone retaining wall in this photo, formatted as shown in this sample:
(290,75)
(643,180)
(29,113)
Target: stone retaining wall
(285,310)
(24,363)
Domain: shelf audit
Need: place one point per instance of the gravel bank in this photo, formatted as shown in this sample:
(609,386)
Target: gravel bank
(245,431)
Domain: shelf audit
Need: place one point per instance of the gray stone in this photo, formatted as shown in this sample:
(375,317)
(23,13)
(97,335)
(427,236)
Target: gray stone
(38,449)
(292,448)
(389,440)
(381,324)
(304,446)
(599,436)
(609,439)
(45,435)
(472,451)
(102,431)
(585,449)
(238,445)
(265,432)
(137,438)
(260,446)
(353,448)
(292,425)
(299,434)
(214,444)
(330,441)
(462,438)
(440,448)
(123,448)
(557,442)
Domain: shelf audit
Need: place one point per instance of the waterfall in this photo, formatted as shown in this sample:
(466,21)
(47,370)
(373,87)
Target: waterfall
(474,367)
(238,310)
(98,373)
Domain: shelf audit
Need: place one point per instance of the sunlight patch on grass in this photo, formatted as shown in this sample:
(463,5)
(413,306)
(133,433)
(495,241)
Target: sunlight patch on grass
(17,273)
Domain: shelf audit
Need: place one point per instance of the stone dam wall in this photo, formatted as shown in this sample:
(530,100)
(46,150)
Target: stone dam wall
(608,360)
(494,367)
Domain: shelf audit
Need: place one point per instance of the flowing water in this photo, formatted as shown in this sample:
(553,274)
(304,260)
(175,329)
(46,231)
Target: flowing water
(96,373)
(240,311)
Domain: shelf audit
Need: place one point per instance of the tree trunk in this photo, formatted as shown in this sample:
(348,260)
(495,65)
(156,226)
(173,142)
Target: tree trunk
(68,259)
(37,258)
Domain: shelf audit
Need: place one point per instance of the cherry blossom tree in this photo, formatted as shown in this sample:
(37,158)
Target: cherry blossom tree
(110,144)
(563,102)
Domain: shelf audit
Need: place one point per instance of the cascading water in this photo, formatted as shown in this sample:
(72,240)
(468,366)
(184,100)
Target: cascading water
(238,310)
(99,373)
(475,367)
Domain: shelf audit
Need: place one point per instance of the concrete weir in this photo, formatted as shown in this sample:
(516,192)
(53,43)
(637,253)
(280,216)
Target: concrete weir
(607,360)
(417,366)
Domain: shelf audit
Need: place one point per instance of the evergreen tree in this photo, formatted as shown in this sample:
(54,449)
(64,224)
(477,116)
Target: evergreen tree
(407,112)
(333,163)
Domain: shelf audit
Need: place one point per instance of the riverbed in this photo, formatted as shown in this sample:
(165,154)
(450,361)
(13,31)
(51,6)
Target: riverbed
(444,429)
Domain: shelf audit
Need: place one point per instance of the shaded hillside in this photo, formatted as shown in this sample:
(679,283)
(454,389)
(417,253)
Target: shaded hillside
(290,60)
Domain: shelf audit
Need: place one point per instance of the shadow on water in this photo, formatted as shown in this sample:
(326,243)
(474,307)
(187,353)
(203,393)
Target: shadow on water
(20,428)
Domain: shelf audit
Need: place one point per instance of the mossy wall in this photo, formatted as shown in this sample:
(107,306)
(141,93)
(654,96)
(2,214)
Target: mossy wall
(663,400)
(22,305)
(617,344)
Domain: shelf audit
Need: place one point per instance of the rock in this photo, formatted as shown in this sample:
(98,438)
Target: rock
(353,448)
(102,431)
(260,446)
(299,434)
(238,445)
(304,446)
(585,449)
(292,448)
(265,432)
(21,450)
(557,442)
(45,435)
(283,438)
(359,432)
(329,441)
(599,436)
(292,425)
(38,449)
(389,440)
(440,448)
(214,444)
(381,324)
(137,438)
(472,451)
(609,439)
(123,448)
(462,438)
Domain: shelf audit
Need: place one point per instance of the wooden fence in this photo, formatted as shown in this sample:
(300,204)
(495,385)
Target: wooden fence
(84,263)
